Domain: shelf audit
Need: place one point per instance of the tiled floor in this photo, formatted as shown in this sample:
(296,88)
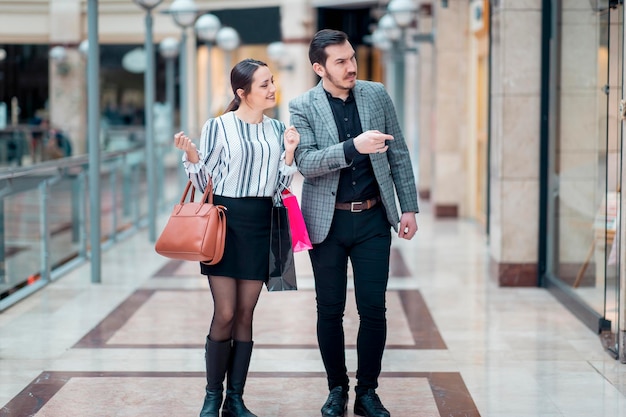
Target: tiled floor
(458,345)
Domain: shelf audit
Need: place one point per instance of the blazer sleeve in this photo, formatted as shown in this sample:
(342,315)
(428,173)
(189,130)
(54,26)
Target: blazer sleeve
(399,157)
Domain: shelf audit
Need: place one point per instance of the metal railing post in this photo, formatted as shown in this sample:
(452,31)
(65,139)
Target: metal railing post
(76,196)
(44,231)
(113,184)
(149,81)
(82,215)
(3,272)
(93,127)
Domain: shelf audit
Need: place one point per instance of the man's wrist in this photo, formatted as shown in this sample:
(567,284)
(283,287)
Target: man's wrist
(349,150)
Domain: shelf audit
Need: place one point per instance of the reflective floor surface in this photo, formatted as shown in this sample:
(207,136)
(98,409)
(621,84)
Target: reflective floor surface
(458,345)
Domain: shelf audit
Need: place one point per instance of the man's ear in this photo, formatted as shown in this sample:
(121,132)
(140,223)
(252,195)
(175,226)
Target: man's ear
(319,69)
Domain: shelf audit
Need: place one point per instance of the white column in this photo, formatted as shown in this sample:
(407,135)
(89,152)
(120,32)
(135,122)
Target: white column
(297,30)
(514,176)
(451,109)
(426,65)
(68,93)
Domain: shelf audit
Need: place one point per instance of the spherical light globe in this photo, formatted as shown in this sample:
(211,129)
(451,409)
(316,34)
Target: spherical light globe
(83,47)
(380,41)
(276,51)
(207,26)
(227,38)
(148,4)
(402,11)
(135,61)
(168,48)
(57,53)
(389,27)
(184,12)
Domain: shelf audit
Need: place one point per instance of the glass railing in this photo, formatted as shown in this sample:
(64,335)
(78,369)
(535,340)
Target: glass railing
(45,217)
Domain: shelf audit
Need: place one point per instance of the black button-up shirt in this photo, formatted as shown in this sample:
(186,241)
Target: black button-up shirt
(356,182)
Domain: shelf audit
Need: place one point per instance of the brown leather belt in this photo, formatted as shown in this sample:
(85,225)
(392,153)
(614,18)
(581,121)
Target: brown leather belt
(358,206)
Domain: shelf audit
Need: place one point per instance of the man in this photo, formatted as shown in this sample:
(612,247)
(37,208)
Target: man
(352,154)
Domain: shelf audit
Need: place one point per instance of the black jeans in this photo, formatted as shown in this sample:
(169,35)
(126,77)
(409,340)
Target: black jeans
(365,239)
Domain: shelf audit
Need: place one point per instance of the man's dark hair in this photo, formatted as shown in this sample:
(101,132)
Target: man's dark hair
(322,39)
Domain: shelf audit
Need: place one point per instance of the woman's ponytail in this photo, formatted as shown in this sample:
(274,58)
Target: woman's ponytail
(234,104)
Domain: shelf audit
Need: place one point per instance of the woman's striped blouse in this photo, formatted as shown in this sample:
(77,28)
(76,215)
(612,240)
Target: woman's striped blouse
(243,159)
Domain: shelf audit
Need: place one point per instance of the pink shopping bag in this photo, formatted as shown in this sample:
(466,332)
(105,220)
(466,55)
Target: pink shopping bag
(299,235)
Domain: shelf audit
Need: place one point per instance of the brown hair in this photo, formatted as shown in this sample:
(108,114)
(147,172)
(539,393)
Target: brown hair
(241,77)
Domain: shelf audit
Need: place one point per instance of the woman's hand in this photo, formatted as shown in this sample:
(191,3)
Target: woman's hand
(292,139)
(185,144)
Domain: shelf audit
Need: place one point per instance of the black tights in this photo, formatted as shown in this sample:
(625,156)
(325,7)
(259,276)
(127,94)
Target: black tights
(234,301)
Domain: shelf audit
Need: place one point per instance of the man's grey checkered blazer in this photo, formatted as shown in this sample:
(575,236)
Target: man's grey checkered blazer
(320,155)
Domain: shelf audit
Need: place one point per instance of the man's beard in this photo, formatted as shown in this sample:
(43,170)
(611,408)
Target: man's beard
(342,84)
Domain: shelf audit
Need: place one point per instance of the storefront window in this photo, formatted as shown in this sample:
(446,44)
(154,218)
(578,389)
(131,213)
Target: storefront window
(586,166)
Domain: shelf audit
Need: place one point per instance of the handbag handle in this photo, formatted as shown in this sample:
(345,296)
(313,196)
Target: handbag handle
(184,196)
(207,197)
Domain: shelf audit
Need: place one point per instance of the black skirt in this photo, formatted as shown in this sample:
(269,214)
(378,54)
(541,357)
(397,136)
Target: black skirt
(246,250)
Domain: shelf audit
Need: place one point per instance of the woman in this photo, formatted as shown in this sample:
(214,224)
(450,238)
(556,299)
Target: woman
(247,155)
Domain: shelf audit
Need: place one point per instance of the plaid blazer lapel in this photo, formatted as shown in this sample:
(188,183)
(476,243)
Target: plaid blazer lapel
(363,105)
(325,113)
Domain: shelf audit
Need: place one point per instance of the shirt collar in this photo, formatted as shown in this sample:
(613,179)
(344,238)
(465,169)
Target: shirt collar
(330,96)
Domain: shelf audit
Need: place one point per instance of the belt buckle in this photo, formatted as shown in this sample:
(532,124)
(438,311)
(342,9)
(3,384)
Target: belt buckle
(352,209)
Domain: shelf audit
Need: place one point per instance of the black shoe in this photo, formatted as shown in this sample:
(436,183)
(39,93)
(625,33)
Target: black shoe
(336,404)
(369,405)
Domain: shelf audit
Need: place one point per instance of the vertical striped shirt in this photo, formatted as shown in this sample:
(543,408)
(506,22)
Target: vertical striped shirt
(243,159)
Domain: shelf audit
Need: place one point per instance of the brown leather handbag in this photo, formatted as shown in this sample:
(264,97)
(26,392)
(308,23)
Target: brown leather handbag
(195,231)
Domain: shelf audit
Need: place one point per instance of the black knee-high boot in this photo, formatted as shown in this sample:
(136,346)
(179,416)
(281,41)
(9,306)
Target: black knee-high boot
(237,373)
(217,355)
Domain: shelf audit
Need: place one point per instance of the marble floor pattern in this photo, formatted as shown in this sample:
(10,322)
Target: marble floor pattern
(458,345)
